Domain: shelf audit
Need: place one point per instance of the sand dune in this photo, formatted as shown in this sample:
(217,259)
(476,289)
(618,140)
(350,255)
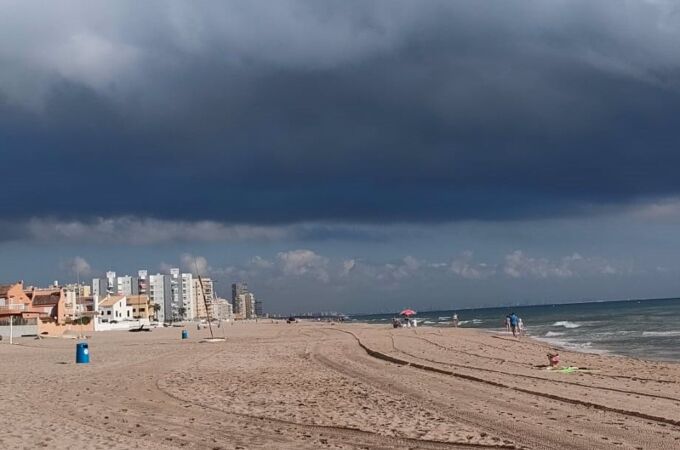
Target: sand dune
(315,385)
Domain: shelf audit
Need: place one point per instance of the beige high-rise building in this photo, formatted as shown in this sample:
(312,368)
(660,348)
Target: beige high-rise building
(200,306)
(246,306)
(222,309)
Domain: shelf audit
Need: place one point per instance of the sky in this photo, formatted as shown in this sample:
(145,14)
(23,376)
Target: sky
(346,155)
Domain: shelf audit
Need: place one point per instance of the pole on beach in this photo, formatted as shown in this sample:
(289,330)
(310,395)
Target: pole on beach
(11,320)
(205,302)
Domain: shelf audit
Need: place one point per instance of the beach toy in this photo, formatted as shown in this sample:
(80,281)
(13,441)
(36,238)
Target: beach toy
(82,353)
(185,334)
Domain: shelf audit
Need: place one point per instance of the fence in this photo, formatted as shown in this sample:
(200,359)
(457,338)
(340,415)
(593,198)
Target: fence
(18,330)
(126,325)
(18,321)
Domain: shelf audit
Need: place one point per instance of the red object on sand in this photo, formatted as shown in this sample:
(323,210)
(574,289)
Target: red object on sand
(407,312)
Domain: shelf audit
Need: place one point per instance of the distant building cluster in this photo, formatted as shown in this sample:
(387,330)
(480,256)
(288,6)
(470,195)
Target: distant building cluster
(178,296)
(114,302)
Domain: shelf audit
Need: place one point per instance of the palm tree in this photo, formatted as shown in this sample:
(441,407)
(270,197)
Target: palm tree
(156,307)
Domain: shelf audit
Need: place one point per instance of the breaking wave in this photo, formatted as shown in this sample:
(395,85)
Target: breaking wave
(566,324)
(553,334)
(660,333)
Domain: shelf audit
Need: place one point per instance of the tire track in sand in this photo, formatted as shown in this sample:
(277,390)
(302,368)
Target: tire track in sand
(385,357)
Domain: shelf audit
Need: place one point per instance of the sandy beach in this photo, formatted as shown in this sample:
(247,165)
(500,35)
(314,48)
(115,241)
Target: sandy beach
(317,385)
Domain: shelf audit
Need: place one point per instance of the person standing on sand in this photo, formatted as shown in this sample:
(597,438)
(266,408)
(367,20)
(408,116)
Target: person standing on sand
(454,320)
(514,321)
(507,323)
(520,326)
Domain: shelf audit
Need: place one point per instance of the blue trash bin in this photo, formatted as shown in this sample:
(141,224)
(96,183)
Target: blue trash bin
(82,353)
(185,334)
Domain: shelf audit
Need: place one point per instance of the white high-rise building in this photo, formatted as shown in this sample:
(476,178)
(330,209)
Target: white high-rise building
(111,282)
(99,287)
(222,309)
(127,285)
(175,288)
(160,294)
(188,296)
(249,306)
(143,282)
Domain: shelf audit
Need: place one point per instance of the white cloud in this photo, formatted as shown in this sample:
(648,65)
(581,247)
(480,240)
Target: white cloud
(90,58)
(519,265)
(347,267)
(407,267)
(197,265)
(304,262)
(261,263)
(465,267)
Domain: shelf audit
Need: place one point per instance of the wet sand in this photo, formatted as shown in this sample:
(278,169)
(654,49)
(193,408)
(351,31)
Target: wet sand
(316,385)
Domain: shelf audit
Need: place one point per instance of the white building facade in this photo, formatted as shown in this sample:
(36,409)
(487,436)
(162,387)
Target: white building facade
(188,296)
(111,282)
(114,309)
(127,285)
(159,294)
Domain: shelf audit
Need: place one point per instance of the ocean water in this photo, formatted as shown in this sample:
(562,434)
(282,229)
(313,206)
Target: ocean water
(648,329)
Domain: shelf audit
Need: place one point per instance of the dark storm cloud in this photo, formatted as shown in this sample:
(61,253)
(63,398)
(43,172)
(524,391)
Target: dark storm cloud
(295,111)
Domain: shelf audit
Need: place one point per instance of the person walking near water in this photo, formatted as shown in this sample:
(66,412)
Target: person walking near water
(454,320)
(514,322)
(507,323)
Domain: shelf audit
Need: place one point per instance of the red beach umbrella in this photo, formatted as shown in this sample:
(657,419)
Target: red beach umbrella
(407,312)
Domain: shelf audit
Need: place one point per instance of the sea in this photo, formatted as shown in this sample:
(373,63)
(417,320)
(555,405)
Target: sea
(647,329)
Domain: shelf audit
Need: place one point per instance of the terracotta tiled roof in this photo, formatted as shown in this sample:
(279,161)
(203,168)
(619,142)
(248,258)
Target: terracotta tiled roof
(4,290)
(84,300)
(110,301)
(44,298)
(137,299)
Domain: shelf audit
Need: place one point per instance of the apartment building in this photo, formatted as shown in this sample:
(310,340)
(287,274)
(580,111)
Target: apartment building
(111,282)
(143,282)
(160,294)
(222,309)
(127,285)
(99,287)
(238,289)
(188,295)
(207,289)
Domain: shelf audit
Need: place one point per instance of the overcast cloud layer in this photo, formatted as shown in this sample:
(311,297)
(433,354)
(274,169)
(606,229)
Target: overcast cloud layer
(500,150)
(258,112)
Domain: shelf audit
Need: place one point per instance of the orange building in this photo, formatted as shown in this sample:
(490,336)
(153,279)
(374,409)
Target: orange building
(51,303)
(15,302)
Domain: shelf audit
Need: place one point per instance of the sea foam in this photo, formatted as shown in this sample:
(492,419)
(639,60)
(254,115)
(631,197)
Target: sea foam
(553,334)
(566,324)
(660,333)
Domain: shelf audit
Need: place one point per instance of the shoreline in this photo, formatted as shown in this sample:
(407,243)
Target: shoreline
(556,334)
